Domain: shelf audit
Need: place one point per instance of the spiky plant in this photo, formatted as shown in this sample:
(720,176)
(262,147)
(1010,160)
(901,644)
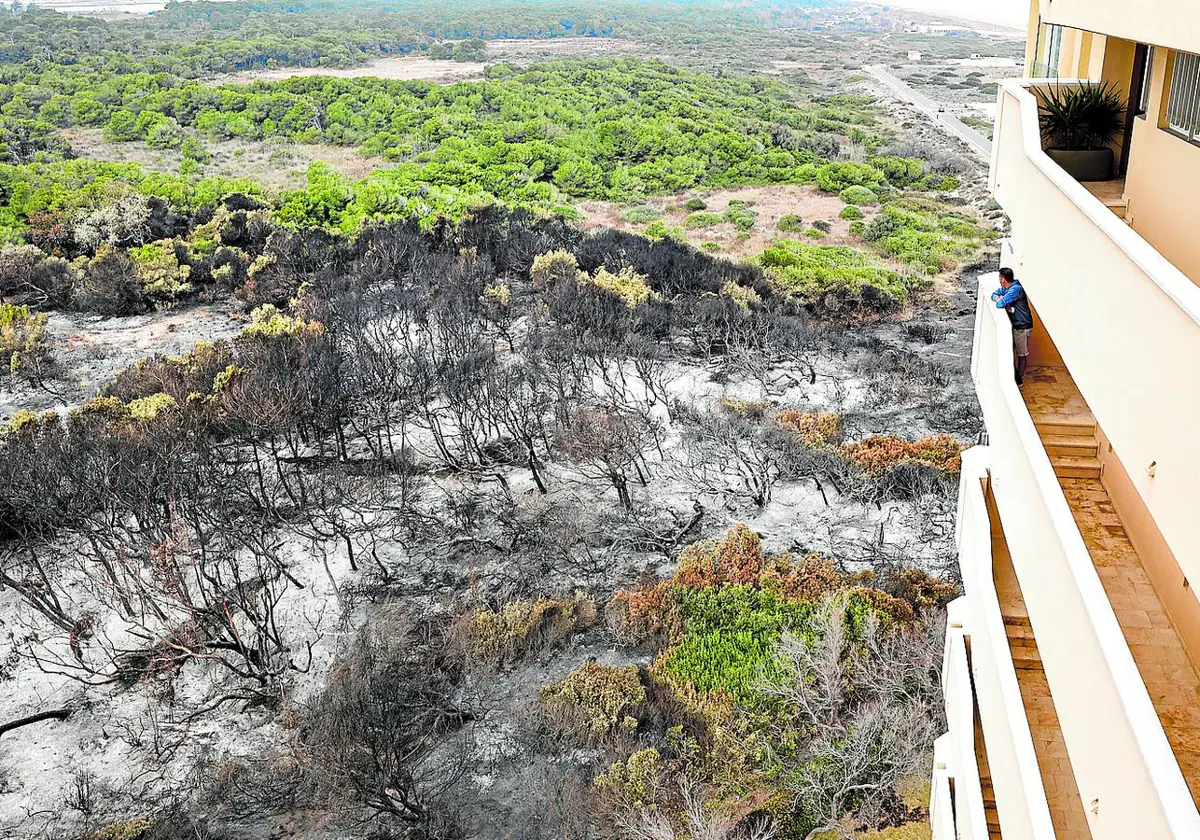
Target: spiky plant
(1080,117)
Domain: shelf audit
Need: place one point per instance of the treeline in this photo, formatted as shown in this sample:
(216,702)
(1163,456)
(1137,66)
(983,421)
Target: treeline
(594,129)
(203,38)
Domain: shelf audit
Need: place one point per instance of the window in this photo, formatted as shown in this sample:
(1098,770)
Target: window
(1183,108)
(1146,79)
(1049,51)
(1054,48)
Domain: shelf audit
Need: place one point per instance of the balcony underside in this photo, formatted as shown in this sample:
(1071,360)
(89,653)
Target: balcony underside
(1068,432)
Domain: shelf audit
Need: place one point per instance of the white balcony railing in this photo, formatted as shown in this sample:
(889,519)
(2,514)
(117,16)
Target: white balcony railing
(970,816)
(1016,776)
(1125,321)
(941,801)
(1128,778)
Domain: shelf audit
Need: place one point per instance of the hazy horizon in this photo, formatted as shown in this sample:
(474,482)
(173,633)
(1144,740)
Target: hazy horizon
(1013,13)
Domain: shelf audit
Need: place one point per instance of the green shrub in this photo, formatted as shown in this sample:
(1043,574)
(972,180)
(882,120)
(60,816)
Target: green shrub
(662,230)
(811,272)
(554,267)
(567,213)
(24,347)
(850,212)
(523,628)
(640,214)
(732,633)
(694,204)
(900,172)
(130,829)
(835,177)
(807,173)
(711,247)
(925,235)
(703,219)
(594,701)
(815,233)
(743,296)
(857,229)
(637,783)
(859,195)
(790,224)
(162,276)
(741,217)
(631,287)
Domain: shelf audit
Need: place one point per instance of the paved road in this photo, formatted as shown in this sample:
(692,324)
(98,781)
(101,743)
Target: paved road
(943,119)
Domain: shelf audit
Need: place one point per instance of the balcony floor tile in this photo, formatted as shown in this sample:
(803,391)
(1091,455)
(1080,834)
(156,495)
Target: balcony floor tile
(1170,676)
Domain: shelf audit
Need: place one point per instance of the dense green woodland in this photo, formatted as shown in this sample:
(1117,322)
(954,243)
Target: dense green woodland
(197,38)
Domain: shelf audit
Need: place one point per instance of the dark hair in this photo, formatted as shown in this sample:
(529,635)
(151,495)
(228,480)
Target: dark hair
(1007,274)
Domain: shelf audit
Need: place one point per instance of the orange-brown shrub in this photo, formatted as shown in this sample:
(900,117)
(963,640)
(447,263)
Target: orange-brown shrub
(880,453)
(736,558)
(644,613)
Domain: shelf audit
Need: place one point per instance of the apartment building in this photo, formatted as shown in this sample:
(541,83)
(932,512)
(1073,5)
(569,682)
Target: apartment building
(1071,680)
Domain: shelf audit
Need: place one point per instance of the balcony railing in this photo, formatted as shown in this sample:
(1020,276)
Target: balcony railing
(1128,778)
(960,715)
(941,800)
(1125,321)
(1016,777)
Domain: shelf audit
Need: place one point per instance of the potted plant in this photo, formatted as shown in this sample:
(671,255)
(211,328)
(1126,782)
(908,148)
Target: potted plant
(1079,124)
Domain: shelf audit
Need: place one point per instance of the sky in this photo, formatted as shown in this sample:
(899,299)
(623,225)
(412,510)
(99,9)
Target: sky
(1013,13)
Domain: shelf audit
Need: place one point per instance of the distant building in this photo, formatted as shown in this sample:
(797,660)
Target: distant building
(1071,677)
(944,30)
(914,55)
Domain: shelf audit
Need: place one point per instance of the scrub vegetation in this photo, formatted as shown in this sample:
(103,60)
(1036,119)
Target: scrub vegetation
(454,513)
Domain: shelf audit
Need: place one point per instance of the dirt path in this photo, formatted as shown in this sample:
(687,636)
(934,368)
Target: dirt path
(770,203)
(407,67)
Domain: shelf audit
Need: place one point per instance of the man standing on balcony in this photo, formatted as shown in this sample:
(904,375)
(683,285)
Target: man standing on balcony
(1011,298)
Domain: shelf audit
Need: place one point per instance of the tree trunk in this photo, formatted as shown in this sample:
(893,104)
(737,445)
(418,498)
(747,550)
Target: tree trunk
(53,714)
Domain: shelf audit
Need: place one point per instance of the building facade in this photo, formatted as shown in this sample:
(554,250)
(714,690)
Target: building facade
(1071,683)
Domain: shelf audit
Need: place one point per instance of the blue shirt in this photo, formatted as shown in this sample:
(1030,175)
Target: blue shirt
(1014,300)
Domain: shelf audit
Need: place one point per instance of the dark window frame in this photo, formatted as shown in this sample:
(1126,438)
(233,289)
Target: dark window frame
(1143,79)
(1182,116)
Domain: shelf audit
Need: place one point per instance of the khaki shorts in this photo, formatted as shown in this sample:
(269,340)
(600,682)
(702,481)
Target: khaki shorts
(1021,341)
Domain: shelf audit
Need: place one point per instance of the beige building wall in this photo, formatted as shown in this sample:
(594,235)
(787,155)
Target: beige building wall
(1170,23)
(1163,183)
(1098,43)
(1128,771)
(1161,565)
(1109,306)
(1116,303)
